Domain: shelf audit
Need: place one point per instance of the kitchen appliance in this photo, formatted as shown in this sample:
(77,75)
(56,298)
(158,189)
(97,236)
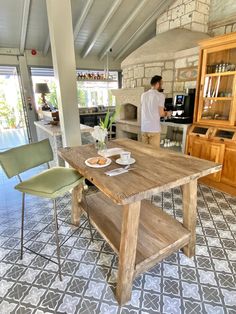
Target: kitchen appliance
(183,107)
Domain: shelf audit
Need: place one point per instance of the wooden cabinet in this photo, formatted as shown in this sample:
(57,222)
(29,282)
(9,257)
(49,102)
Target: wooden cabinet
(213,133)
(216,95)
(229,167)
(202,148)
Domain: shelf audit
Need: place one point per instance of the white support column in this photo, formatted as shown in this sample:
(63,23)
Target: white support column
(28,94)
(63,56)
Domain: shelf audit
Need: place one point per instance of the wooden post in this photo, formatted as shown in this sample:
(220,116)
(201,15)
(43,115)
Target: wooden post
(127,252)
(76,209)
(190,214)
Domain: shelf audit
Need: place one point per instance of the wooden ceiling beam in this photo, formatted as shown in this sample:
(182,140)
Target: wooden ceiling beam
(101,28)
(122,29)
(82,17)
(24,24)
(78,25)
(151,19)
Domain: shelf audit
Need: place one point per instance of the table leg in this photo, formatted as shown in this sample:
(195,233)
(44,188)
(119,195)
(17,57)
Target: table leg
(76,209)
(190,214)
(127,252)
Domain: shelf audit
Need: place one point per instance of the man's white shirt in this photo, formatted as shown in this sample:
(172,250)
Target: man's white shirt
(151,101)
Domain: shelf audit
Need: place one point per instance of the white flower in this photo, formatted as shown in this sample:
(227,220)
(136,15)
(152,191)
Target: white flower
(99,133)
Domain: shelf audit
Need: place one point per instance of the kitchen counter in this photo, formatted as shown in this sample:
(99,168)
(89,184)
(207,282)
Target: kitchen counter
(184,126)
(54,134)
(55,130)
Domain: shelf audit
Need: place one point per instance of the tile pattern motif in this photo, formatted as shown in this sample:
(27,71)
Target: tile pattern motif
(204,284)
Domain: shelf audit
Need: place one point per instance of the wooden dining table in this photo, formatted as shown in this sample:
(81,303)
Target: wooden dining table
(138,231)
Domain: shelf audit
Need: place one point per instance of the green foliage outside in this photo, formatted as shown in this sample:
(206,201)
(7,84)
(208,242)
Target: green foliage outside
(10,117)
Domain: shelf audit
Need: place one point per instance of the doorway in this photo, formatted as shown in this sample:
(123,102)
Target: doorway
(13,126)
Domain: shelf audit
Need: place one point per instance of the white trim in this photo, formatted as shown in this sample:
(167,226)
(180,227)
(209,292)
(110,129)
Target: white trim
(24,24)
(151,19)
(82,17)
(101,28)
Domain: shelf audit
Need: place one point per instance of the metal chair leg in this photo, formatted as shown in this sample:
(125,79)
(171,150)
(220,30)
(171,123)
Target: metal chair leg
(87,211)
(22,225)
(57,240)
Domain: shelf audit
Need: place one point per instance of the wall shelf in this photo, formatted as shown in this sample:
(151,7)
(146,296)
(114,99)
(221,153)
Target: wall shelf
(218,98)
(221,73)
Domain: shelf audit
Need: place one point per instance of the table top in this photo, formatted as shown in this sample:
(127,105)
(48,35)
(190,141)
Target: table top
(155,170)
(55,130)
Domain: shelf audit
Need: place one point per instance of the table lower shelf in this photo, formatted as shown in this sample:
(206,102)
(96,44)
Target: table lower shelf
(159,234)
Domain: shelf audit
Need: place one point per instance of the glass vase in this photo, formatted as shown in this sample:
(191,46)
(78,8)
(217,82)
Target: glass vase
(102,146)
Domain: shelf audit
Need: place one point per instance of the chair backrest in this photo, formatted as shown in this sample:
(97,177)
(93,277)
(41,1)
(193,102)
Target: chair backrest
(19,159)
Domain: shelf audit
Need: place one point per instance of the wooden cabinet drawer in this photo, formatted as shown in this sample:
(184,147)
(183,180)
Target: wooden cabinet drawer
(229,167)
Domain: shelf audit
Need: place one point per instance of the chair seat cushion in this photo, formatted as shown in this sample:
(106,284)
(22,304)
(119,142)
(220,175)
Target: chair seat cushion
(51,183)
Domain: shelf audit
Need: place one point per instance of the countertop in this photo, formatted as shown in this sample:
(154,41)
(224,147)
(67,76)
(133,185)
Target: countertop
(55,130)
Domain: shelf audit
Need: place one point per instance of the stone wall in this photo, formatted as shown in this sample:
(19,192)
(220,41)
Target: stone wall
(189,60)
(140,75)
(190,14)
(215,17)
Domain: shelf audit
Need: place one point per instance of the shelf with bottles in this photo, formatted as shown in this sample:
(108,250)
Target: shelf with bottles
(221,62)
(218,87)
(95,77)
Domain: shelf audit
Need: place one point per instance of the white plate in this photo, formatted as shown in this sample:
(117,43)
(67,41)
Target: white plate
(96,165)
(123,163)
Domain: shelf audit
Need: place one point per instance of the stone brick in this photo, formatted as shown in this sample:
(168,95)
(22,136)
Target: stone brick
(167,75)
(198,17)
(176,4)
(228,29)
(181,63)
(149,72)
(146,81)
(190,84)
(162,18)
(178,86)
(139,72)
(130,73)
(154,64)
(192,58)
(139,82)
(187,26)
(168,86)
(163,27)
(202,7)
(218,30)
(186,19)
(198,27)
(125,71)
(190,6)
(177,12)
(169,65)
(195,63)
(133,83)
(234,27)
(175,23)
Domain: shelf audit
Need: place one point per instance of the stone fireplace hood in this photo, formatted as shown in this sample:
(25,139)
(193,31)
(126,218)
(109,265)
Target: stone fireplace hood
(164,46)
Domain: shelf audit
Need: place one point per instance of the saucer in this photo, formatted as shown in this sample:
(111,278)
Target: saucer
(124,163)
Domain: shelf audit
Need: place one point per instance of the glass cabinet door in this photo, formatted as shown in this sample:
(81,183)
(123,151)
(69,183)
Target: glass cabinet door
(216,101)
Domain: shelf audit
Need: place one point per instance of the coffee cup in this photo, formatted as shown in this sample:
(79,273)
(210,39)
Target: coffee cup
(125,156)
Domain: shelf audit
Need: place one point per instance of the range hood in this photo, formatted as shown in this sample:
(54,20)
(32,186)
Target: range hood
(164,46)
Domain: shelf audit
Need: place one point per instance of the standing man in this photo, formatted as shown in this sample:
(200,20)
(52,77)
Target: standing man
(152,108)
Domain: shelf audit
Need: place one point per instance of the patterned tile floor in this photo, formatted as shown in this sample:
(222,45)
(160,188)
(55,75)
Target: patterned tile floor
(203,284)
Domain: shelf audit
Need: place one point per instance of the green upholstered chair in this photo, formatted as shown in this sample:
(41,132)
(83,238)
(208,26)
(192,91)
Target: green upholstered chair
(50,183)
